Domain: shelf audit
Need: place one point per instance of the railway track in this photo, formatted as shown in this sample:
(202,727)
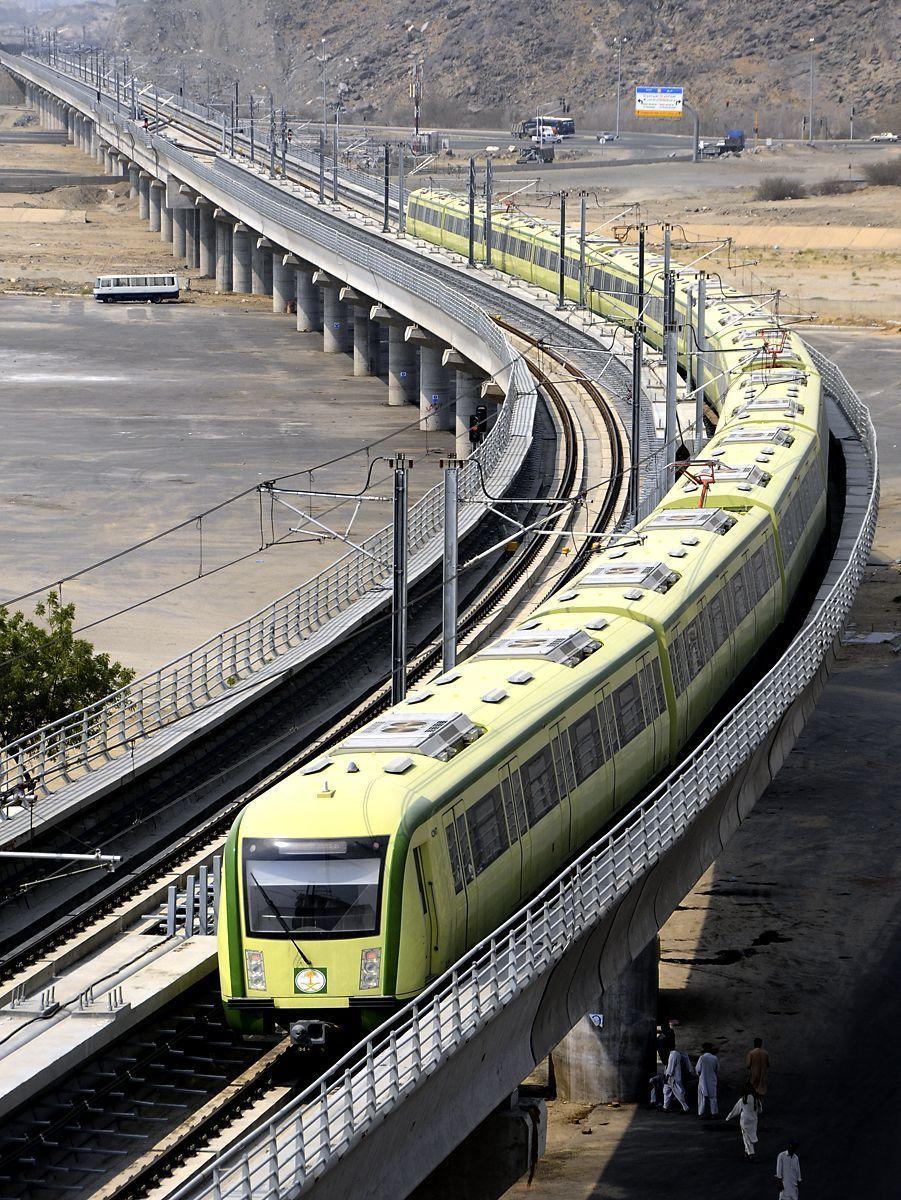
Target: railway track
(91,1132)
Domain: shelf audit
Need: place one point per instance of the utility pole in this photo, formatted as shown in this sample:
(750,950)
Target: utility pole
(472,212)
(416,96)
(401,213)
(284,134)
(272,136)
(637,355)
(449,574)
(581,249)
(401,466)
(671,359)
(619,42)
(701,369)
(489,188)
(561,297)
(252,146)
(851,125)
(322,165)
(811,42)
(335,155)
(385,225)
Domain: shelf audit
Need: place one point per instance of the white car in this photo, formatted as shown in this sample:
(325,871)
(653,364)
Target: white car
(547,137)
(606,136)
(884,137)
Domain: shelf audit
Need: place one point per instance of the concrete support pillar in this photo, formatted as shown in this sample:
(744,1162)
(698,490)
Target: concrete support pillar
(111,162)
(261,266)
(401,368)
(133,174)
(192,237)
(100,149)
(180,231)
(334,321)
(614,1060)
(206,231)
(144,181)
(157,203)
(223,256)
(282,281)
(465,405)
(434,389)
(165,222)
(122,160)
(364,361)
(309,307)
(241,236)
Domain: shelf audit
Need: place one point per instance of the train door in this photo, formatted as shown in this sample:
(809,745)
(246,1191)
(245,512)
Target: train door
(609,741)
(517,820)
(655,711)
(566,783)
(445,895)
(425,877)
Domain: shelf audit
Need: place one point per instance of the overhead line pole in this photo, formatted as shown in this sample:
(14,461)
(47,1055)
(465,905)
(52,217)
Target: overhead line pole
(401,467)
(449,576)
(562,276)
(637,355)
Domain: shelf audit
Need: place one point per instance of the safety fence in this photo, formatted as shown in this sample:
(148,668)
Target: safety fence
(310,1133)
(42,761)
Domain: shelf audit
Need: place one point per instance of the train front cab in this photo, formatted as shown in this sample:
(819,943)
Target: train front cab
(303,921)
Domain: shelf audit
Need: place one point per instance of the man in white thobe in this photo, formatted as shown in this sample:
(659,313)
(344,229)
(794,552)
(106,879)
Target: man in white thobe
(706,1068)
(674,1085)
(788,1172)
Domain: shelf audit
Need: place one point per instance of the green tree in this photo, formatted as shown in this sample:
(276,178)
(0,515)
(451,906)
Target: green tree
(47,672)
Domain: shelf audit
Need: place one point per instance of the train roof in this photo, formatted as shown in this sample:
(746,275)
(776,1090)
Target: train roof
(663,567)
(448,732)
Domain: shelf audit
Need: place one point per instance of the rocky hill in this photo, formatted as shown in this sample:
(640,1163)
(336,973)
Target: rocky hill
(490,63)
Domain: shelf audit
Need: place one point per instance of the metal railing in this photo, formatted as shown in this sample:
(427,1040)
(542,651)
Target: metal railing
(36,764)
(321,1125)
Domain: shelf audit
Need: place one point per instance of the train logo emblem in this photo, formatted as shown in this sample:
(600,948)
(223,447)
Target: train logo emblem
(309,980)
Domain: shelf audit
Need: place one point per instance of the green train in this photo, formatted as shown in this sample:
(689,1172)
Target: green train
(350,885)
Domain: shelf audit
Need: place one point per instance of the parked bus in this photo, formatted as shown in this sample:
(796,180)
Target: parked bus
(563,126)
(136,287)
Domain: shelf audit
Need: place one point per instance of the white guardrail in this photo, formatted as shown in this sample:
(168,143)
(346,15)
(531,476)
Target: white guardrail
(53,755)
(322,1124)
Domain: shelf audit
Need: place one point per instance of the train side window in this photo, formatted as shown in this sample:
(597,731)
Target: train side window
(719,626)
(562,767)
(487,831)
(740,604)
(609,732)
(652,690)
(585,745)
(694,650)
(454,855)
(510,811)
(465,852)
(538,785)
(627,707)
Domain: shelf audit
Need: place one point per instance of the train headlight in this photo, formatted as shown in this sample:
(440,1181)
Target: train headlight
(370,968)
(256,970)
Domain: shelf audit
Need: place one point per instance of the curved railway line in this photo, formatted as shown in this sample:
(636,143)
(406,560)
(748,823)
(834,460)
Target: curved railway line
(136,1110)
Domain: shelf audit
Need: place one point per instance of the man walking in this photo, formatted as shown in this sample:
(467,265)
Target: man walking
(788,1172)
(758,1064)
(674,1084)
(706,1068)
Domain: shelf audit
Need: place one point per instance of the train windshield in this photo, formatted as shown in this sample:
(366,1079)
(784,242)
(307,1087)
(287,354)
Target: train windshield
(315,888)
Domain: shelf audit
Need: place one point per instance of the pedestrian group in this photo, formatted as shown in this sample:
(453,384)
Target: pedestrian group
(669,1091)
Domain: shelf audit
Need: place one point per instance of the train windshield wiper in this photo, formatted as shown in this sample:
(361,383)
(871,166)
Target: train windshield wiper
(281,920)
